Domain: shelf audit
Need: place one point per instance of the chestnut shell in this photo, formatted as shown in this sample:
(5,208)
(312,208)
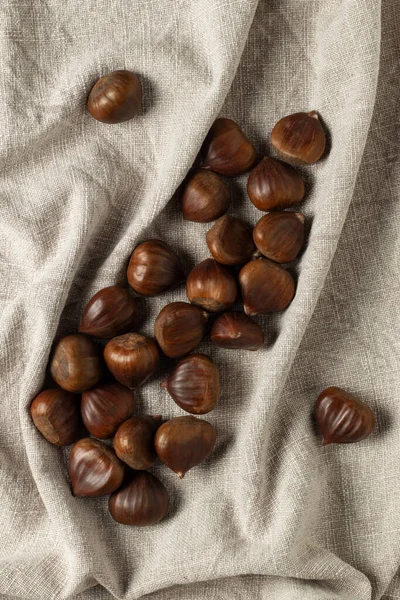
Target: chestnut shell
(110,312)
(211,286)
(134,441)
(280,235)
(235,330)
(76,363)
(194,384)
(154,268)
(132,358)
(266,287)
(179,328)
(299,138)
(56,414)
(105,407)
(230,241)
(342,418)
(142,500)
(227,150)
(273,185)
(204,197)
(116,97)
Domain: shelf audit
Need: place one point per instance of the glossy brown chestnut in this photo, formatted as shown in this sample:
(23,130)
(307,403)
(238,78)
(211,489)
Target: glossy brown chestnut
(57,416)
(299,138)
(104,407)
(112,311)
(184,442)
(226,149)
(230,241)
(342,418)
(211,286)
(142,500)
(179,328)
(134,441)
(94,469)
(116,97)
(76,363)
(205,197)
(194,384)
(132,358)
(266,287)
(235,330)
(280,235)
(154,268)
(273,185)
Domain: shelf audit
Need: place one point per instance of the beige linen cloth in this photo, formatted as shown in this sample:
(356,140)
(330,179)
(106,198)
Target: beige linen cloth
(271,515)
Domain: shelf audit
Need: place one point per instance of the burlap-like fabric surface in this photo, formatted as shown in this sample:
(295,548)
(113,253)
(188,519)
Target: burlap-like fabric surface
(271,515)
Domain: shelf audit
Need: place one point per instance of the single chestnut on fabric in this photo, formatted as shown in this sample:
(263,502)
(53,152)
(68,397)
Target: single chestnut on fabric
(299,138)
(184,442)
(110,312)
(56,414)
(94,469)
(226,149)
(273,185)
(116,97)
(205,197)
(266,287)
(134,441)
(76,363)
(179,328)
(230,241)
(132,358)
(342,418)
(154,268)
(194,384)
(280,235)
(104,407)
(237,331)
(142,500)
(211,286)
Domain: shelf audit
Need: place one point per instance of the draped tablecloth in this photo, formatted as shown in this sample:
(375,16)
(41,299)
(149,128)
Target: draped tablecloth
(271,514)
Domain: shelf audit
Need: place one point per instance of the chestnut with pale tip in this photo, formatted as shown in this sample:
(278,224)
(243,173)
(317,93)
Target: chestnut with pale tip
(204,197)
(227,150)
(299,138)
(56,414)
(230,241)
(94,468)
(211,286)
(104,407)
(274,185)
(184,442)
(280,235)
(179,328)
(76,364)
(154,268)
(194,384)
(342,418)
(116,97)
(110,312)
(237,331)
(132,358)
(142,500)
(134,441)
(266,287)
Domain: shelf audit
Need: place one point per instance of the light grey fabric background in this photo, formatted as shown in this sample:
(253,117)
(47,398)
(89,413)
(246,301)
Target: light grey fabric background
(271,515)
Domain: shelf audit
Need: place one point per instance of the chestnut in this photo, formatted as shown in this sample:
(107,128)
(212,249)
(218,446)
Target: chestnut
(205,197)
(299,138)
(184,442)
(230,241)
(235,330)
(342,418)
(134,441)
(280,235)
(56,415)
(266,287)
(154,268)
(105,407)
(179,328)
(76,363)
(116,97)
(142,500)
(211,286)
(110,312)
(194,384)
(132,358)
(94,469)
(273,185)
(226,149)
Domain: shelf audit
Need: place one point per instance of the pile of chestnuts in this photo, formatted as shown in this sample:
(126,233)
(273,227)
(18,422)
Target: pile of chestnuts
(93,397)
